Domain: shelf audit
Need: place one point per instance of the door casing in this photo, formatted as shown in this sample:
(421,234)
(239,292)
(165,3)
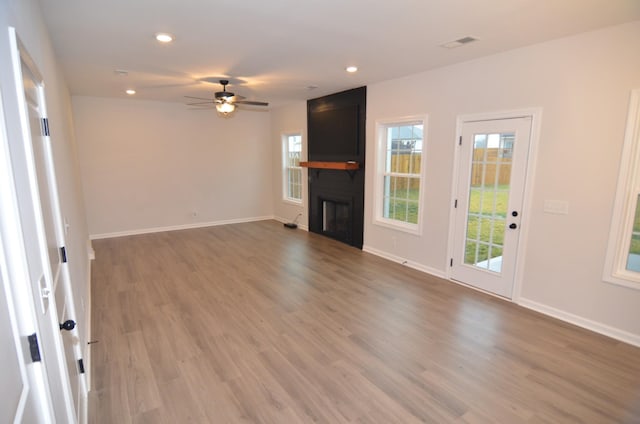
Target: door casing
(536,116)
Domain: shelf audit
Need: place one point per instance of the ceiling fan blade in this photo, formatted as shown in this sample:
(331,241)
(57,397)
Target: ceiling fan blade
(209,102)
(252,103)
(199,98)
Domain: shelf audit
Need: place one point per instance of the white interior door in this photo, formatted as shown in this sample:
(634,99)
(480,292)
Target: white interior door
(19,398)
(492,172)
(43,237)
(15,385)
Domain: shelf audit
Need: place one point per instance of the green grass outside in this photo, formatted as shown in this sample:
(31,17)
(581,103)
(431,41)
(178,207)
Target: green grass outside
(479,224)
(635,237)
(398,207)
(484,225)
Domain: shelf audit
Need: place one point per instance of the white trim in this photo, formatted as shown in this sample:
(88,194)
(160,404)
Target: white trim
(178,227)
(403,261)
(379,171)
(623,211)
(615,333)
(535,113)
(83,413)
(284,153)
(289,201)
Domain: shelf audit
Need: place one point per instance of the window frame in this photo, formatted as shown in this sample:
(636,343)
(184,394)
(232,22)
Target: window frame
(627,192)
(382,126)
(285,167)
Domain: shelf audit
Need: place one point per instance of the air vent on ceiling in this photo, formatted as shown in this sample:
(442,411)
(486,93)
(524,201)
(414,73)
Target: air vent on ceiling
(459,42)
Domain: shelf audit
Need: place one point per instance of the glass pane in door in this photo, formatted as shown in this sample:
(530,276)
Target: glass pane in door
(488,200)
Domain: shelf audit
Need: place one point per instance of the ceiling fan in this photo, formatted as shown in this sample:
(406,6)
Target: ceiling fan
(225,101)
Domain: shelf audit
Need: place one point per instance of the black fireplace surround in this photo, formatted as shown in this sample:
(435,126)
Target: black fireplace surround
(336,133)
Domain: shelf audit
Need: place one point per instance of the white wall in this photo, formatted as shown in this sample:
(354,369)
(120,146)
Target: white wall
(582,83)
(149,165)
(285,120)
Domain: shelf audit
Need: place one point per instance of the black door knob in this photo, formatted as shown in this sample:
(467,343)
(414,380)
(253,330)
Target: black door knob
(513,226)
(68,325)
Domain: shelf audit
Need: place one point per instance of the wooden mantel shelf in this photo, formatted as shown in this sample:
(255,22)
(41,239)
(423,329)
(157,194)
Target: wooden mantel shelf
(347,166)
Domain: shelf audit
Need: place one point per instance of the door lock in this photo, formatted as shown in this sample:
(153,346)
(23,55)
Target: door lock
(68,325)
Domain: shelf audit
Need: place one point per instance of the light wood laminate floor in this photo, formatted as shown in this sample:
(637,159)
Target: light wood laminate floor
(257,323)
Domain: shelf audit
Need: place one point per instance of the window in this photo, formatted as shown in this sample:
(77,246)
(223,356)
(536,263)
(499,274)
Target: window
(399,181)
(622,264)
(292,175)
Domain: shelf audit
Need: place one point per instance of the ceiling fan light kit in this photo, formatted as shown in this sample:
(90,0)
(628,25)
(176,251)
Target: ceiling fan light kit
(225,108)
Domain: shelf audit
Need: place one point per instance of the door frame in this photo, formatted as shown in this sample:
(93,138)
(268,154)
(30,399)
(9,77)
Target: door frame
(536,116)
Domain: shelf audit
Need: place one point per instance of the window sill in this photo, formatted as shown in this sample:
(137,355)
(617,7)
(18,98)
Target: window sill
(292,202)
(619,280)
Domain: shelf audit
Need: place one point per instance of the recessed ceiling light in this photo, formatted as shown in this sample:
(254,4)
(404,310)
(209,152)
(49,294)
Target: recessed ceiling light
(130,92)
(163,37)
(352,69)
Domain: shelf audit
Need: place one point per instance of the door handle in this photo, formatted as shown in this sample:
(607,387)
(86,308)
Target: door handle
(68,325)
(513,226)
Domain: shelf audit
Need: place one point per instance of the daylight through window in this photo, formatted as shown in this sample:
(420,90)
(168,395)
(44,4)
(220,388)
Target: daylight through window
(292,150)
(623,254)
(402,146)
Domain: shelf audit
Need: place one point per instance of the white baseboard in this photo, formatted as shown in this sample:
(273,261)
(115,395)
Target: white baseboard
(178,227)
(615,333)
(403,261)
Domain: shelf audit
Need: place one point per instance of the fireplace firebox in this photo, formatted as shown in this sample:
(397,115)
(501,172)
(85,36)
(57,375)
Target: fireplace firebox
(336,219)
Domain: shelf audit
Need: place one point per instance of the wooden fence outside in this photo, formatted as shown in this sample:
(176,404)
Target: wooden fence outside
(493,165)
(405,163)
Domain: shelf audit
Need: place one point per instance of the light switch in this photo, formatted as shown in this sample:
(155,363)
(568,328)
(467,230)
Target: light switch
(556,207)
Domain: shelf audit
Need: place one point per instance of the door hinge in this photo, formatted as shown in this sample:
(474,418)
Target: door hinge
(455,203)
(451,262)
(81,366)
(460,141)
(63,254)
(34,349)
(45,127)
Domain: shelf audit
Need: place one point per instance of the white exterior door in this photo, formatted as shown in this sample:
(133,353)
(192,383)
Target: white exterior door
(492,169)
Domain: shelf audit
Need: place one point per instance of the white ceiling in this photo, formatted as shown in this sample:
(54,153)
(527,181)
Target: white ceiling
(274,50)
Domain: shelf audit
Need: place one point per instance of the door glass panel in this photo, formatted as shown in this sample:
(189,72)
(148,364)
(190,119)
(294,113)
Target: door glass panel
(633,258)
(488,200)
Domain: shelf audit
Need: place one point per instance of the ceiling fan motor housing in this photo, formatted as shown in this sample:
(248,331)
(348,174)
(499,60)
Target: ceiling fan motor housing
(224,94)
